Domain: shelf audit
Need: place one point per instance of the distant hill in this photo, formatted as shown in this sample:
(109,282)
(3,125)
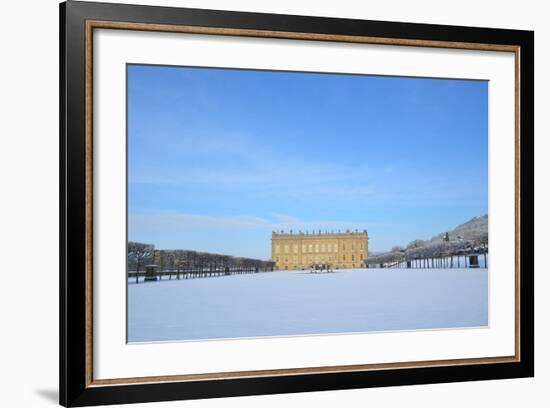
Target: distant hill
(474,229)
(473,235)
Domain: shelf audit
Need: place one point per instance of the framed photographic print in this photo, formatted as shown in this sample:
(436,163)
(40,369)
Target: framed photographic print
(256,203)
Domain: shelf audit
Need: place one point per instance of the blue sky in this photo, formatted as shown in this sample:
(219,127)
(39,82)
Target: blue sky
(219,158)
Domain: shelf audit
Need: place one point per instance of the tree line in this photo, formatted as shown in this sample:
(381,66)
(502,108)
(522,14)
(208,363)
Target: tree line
(441,247)
(142,254)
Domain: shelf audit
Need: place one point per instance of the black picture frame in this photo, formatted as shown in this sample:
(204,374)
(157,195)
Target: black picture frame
(75,387)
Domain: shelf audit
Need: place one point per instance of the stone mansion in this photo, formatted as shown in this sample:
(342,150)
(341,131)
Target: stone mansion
(343,250)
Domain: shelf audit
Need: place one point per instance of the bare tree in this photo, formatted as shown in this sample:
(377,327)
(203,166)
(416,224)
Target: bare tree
(180,260)
(161,258)
(139,253)
(417,243)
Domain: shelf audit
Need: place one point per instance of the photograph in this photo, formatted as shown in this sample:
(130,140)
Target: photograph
(265,203)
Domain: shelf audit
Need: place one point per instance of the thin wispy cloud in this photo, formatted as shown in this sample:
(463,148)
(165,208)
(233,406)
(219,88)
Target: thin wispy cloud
(275,222)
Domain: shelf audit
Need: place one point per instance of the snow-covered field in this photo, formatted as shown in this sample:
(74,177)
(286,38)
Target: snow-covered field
(299,303)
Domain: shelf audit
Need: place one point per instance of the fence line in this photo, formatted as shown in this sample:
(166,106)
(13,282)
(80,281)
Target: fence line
(195,273)
(472,260)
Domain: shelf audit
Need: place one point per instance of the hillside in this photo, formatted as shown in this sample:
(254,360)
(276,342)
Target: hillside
(474,229)
(472,236)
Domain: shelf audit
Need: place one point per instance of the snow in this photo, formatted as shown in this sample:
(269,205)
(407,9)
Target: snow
(301,303)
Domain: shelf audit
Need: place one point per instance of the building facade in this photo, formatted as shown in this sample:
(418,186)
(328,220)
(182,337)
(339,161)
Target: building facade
(342,250)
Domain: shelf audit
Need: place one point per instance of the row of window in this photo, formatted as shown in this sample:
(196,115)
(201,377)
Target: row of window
(332,258)
(310,248)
